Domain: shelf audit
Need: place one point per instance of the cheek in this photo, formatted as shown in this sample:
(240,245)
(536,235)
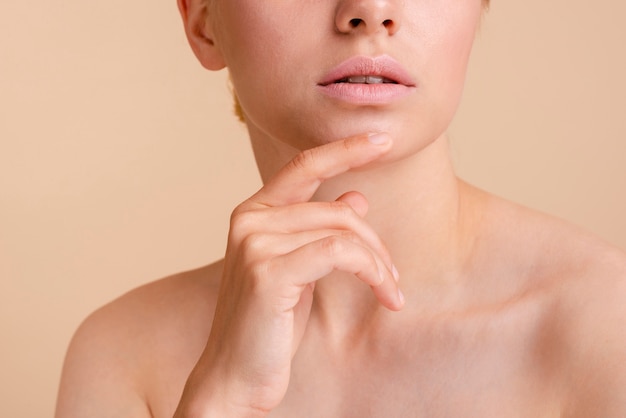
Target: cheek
(449,47)
(270,60)
(258,42)
(257,32)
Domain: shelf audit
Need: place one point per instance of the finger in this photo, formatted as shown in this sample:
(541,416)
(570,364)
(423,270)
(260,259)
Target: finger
(389,294)
(319,258)
(310,216)
(357,202)
(264,246)
(300,178)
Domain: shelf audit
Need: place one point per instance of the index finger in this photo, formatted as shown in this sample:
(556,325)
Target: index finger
(297,181)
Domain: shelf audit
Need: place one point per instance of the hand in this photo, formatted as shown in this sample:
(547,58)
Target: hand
(279,245)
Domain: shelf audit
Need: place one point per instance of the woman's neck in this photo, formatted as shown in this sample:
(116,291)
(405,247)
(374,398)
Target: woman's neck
(417,207)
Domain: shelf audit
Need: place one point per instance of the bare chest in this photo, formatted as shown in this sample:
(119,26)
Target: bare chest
(507,365)
(501,369)
(434,392)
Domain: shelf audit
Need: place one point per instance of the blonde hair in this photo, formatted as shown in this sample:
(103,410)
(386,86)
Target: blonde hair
(237,106)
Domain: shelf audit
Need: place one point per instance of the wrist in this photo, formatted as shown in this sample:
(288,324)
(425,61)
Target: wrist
(212,408)
(211,397)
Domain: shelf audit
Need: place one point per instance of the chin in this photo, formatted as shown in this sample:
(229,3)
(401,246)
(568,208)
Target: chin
(409,133)
(334,128)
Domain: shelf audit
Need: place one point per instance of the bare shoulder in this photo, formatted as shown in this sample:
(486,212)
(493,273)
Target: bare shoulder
(584,280)
(592,308)
(116,354)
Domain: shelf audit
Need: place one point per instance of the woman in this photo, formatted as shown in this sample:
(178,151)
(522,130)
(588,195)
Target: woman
(364,278)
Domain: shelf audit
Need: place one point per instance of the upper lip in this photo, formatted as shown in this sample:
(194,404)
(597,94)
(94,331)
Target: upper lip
(382,66)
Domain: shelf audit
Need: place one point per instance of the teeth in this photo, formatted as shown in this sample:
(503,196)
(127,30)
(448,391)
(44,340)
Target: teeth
(371,79)
(367,79)
(360,79)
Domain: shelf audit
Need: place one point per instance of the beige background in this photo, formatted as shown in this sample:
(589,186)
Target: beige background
(111,135)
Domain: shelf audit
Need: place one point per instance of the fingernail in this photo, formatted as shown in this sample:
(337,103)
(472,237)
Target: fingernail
(378,138)
(381,275)
(401,296)
(395,273)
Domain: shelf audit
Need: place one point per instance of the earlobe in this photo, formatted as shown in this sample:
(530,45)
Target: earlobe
(200,33)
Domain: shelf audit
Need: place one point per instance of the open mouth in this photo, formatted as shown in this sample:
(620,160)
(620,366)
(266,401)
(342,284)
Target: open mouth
(371,81)
(368,70)
(366,79)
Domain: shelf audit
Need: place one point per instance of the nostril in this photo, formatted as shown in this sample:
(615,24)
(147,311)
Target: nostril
(387,23)
(355,22)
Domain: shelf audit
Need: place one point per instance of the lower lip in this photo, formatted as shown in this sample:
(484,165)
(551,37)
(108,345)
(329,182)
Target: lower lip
(366,94)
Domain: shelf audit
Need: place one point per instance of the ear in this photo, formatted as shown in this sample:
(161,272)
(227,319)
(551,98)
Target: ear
(200,33)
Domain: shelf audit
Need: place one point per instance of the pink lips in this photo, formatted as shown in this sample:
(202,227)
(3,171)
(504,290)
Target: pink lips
(398,83)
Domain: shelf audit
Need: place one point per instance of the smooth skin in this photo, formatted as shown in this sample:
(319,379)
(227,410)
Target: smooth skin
(279,246)
(364,278)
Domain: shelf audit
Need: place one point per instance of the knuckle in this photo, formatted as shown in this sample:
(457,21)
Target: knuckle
(349,145)
(341,209)
(236,214)
(350,236)
(304,160)
(253,243)
(333,245)
(241,223)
